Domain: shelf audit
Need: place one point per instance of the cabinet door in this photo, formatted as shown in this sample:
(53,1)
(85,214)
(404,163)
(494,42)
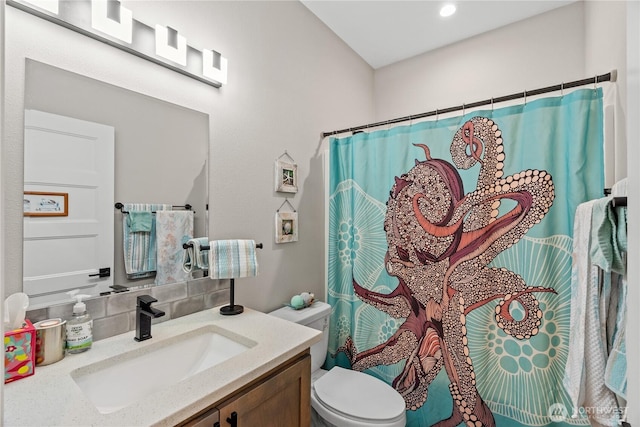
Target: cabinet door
(282,400)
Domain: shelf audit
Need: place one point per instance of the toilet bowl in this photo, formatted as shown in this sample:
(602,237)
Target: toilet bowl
(343,397)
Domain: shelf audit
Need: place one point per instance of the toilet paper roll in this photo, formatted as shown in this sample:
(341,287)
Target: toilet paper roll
(51,339)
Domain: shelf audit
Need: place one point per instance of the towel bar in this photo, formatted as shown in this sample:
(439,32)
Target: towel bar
(619,201)
(207,247)
(187,207)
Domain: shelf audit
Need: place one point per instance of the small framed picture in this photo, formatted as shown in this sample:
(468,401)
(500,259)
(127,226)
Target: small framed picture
(286,227)
(286,177)
(38,203)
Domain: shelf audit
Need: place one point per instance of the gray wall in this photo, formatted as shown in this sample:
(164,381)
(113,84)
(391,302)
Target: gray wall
(537,52)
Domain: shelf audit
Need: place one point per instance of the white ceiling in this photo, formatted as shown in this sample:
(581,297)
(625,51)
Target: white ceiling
(386,31)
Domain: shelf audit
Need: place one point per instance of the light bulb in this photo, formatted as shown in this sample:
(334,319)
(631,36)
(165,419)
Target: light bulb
(448,10)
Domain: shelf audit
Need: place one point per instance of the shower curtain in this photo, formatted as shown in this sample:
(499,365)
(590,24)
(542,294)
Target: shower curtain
(450,258)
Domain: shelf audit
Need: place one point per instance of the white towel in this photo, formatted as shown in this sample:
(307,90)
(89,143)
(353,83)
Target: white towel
(195,258)
(620,188)
(616,371)
(232,258)
(173,228)
(585,369)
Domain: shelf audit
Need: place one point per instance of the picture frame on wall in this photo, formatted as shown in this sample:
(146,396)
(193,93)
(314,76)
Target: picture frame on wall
(286,227)
(44,203)
(286,173)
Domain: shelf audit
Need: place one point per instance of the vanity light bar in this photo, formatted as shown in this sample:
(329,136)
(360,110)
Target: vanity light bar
(157,46)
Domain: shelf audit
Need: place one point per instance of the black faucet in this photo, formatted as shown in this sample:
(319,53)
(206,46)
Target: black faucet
(144,314)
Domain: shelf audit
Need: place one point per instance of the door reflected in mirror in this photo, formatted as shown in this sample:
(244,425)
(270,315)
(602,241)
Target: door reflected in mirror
(66,159)
(160,156)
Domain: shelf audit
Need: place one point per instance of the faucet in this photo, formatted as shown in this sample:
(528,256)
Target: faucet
(144,314)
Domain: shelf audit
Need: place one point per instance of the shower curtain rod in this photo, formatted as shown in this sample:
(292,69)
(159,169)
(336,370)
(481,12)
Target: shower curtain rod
(611,76)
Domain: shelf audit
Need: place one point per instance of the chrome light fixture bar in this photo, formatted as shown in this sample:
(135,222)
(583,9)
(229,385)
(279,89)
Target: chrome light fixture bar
(107,21)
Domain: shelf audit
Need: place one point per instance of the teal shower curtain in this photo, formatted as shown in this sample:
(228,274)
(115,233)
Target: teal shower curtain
(450,258)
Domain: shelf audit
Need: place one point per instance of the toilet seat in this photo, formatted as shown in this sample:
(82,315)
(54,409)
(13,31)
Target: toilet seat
(357,399)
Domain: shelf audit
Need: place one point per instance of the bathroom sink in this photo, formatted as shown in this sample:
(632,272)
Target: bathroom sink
(122,380)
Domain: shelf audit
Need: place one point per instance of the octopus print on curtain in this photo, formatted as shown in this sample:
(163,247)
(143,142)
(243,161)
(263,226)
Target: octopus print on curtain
(450,258)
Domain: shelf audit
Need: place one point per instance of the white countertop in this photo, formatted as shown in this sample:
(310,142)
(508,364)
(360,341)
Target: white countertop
(52,398)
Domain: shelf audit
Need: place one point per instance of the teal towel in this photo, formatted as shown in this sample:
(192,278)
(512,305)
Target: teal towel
(609,236)
(608,251)
(140,247)
(616,371)
(615,375)
(139,221)
(232,258)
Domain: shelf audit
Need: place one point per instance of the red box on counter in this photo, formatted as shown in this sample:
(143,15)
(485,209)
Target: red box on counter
(19,352)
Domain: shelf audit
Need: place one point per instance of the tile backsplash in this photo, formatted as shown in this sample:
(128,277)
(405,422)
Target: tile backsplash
(115,314)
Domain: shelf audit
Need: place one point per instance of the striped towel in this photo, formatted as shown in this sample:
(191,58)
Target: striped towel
(195,258)
(232,258)
(139,247)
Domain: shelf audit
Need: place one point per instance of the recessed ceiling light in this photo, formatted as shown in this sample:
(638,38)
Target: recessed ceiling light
(448,10)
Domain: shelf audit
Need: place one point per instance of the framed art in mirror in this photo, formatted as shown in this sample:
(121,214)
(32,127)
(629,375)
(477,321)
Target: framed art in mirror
(41,203)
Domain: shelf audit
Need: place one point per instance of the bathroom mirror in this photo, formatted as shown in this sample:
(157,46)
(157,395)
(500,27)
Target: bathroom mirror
(161,149)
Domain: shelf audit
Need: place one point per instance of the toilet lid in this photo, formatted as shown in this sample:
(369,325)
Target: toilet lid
(358,395)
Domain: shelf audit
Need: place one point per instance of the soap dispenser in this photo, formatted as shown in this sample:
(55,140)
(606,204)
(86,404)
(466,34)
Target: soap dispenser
(79,327)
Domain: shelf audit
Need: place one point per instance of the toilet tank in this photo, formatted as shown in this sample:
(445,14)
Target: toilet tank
(317,317)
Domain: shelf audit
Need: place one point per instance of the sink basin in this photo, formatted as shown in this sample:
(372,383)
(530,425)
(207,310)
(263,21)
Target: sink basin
(122,380)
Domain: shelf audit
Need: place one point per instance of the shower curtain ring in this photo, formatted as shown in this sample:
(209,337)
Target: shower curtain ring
(525,97)
(437,115)
(562,89)
(463,109)
(491,104)
(595,83)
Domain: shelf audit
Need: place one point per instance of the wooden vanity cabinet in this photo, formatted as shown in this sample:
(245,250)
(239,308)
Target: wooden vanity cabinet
(280,398)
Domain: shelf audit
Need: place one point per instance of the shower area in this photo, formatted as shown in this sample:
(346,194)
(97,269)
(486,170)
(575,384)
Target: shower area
(452,263)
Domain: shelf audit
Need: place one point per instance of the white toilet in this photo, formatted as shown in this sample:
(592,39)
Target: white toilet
(342,397)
